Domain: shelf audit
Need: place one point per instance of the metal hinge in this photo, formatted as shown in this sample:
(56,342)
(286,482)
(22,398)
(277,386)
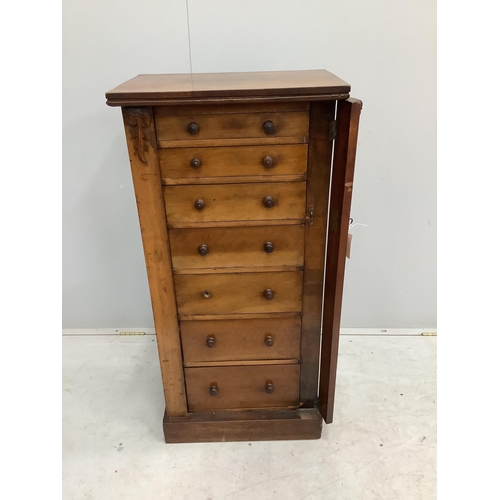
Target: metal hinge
(333,130)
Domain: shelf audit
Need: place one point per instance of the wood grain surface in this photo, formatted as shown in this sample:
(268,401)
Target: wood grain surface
(255,425)
(238,293)
(233,161)
(237,247)
(320,155)
(271,84)
(226,109)
(241,339)
(348,114)
(242,387)
(235,202)
(140,134)
(172,128)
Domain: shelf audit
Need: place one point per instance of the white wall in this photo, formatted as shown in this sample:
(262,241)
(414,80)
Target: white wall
(386,49)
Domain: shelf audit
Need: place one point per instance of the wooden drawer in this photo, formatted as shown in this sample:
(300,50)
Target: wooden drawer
(238,293)
(242,387)
(240,340)
(188,165)
(235,202)
(172,128)
(213,248)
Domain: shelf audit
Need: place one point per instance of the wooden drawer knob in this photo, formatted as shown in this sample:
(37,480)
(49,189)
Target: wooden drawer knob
(199,204)
(193,128)
(268,202)
(269,388)
(268,247)
(267,161)
(268,294)
(206,294)
(214,390)
(269,127)
(210,341)
(196,163)
(203,250)
(269,341)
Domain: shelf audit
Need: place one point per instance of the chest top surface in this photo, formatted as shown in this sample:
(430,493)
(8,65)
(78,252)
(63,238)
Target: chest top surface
(150,89)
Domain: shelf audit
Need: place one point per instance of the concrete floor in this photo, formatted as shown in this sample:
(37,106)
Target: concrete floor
(382,444)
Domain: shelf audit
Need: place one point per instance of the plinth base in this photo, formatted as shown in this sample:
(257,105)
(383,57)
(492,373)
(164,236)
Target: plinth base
(243,425)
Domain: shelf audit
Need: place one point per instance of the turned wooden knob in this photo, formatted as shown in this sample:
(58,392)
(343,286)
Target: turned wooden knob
(196,163)
(210,341)
(269,341)
(206,294)
(203,250)
(269,127)
(268,201)
(214,390)
(269,388)
(268,247)
(267,161)
(193,128)
(199,204)
(268,294)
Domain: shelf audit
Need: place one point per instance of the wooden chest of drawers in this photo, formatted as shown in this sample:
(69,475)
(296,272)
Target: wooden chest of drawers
(244,225)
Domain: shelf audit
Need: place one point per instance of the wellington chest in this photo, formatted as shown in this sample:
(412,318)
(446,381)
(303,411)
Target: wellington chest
(243,183)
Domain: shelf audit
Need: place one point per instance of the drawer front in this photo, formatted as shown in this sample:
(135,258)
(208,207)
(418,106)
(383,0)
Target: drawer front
(237,246)
(234,202)
(197,127)
(240,340)
(242,387)
(239,293)
(193,163)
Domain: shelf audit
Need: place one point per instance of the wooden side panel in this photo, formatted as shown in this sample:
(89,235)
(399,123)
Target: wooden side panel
(141,143)
(348,113)
(319,167)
